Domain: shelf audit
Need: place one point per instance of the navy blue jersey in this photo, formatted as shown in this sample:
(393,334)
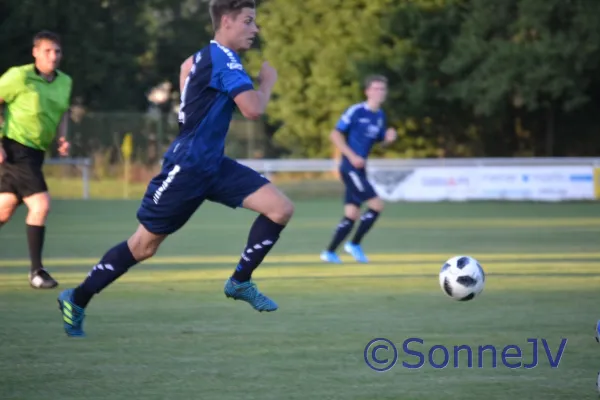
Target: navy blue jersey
(207,106)
(362,129)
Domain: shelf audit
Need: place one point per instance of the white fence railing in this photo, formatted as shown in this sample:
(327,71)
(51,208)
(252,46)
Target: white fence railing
(83,164)
(549,179)
(323,165)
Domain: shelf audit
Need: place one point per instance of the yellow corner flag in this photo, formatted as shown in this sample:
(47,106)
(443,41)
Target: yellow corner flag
(127,146)
(126,151)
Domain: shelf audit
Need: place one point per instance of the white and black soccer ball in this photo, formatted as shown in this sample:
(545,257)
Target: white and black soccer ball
(462,278)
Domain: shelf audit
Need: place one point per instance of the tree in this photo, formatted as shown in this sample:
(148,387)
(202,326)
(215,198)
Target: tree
(529,62)
(315,45)
(177,30)
(418,37)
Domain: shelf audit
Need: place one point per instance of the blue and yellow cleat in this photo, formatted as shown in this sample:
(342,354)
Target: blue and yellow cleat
(356,251)
(73,315)
(597,335)
(248,292)
(330,257)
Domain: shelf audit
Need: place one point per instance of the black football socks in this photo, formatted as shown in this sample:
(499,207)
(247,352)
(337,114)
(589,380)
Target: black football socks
(35,241)
(342,230)
(115,263)
(263,235)
(366,223)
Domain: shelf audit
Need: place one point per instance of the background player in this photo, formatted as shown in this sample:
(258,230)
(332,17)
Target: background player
(360,127)
(195,169)
(37,98)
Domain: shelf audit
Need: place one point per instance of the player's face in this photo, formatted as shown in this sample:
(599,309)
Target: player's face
(47,55)
(377,92)
(243,29)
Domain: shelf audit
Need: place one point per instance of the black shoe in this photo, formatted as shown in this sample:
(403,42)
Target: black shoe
(41,279)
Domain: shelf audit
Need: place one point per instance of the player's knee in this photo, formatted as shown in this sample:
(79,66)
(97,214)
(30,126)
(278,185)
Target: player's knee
(351,212)
(38,215)
(288,210)
(282,213)
(8,205)
(38,205)
(144,252)
(141,247)
(144,244)
(4,216)
(376,204)
(42,209)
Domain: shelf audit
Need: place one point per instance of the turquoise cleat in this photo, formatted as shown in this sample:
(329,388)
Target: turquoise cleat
(73,315)
(356,251)
(330,257)
(248,292)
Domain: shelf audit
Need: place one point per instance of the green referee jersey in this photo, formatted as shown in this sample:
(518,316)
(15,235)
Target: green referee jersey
(34,106)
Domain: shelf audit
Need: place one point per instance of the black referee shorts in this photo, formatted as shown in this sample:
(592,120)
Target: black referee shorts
(21,173)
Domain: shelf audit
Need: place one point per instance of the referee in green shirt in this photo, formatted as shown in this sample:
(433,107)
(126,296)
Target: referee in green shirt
(37,99)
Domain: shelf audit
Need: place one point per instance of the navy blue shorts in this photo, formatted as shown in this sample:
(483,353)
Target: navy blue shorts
(176,192)
(358,187)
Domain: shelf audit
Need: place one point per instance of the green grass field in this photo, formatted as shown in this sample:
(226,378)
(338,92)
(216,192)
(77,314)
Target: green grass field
(166,331)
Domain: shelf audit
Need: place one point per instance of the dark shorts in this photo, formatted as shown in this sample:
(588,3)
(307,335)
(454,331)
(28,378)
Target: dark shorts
(176,192)
(21,173)
(358,187)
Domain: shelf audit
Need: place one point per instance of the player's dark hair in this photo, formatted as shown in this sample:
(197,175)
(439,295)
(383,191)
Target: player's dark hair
(369,80)
(218,8)
(46,35)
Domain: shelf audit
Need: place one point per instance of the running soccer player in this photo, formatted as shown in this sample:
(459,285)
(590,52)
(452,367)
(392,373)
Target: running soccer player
(359,128)
(37,98)
(213,82)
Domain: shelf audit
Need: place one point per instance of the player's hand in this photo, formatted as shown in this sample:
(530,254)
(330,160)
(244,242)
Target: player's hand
(2,155)
(267,74)
(357,161)
(390,135)
(63,147)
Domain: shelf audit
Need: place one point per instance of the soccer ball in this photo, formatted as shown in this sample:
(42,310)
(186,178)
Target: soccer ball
(462,278)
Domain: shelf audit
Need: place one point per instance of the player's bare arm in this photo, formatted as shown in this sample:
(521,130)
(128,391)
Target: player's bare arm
(390,136)
(340,142)
(2,153)
(63,143)
(253,103)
